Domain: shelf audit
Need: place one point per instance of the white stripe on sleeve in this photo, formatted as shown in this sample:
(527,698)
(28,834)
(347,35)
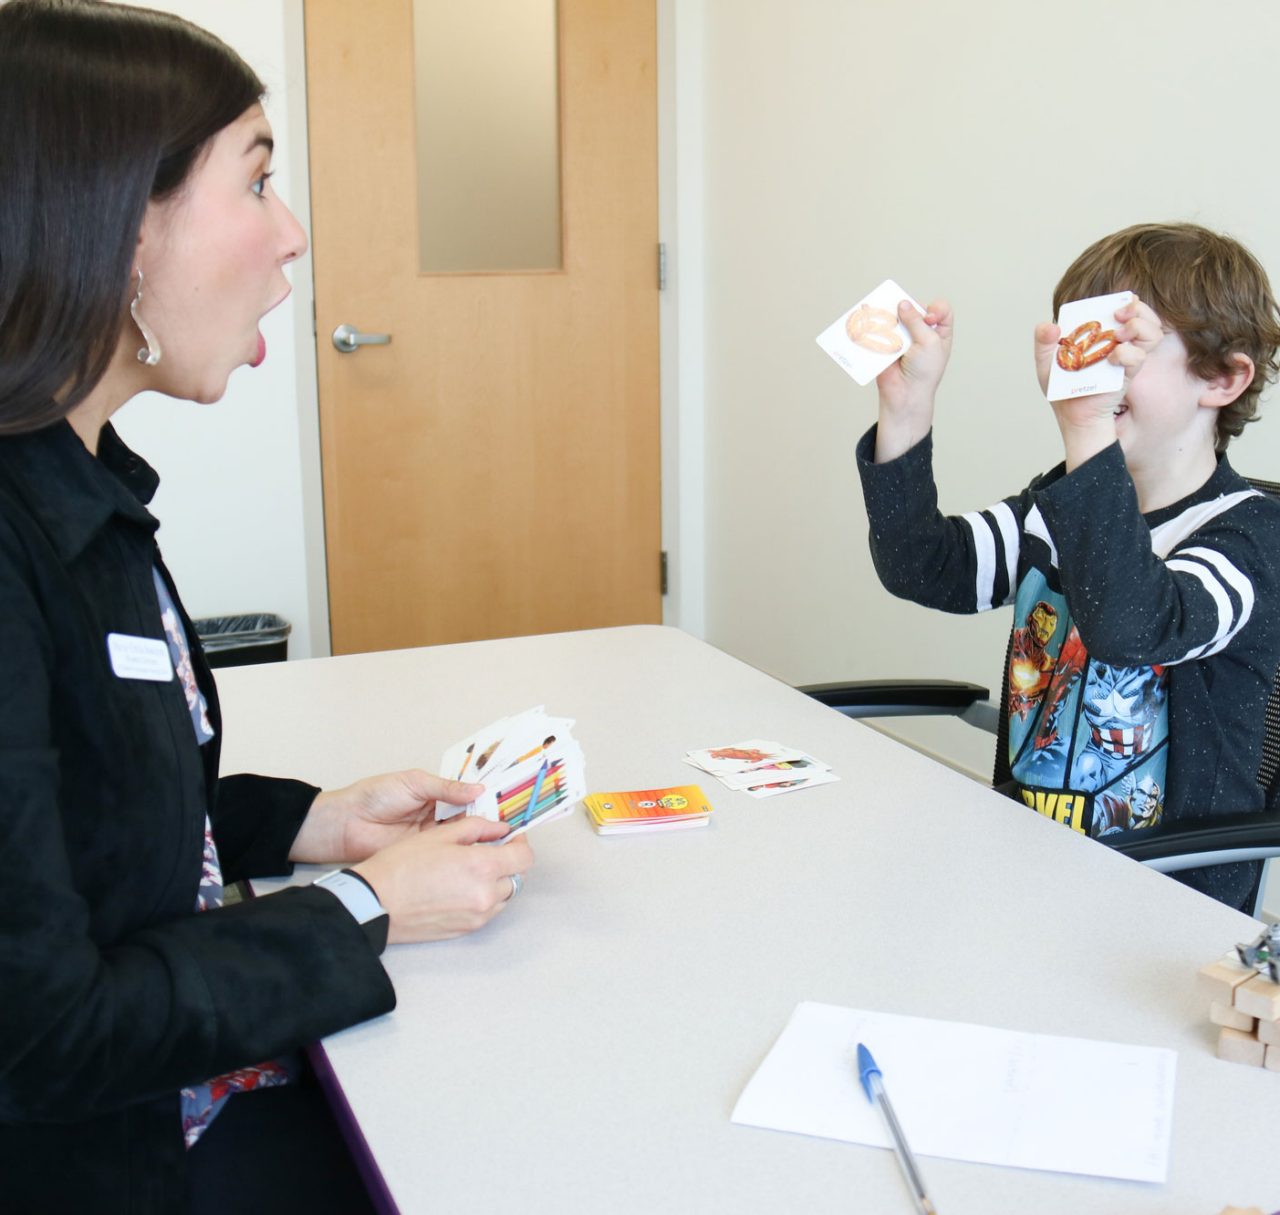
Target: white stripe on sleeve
(1034,525)
(984,546)
(1229,574)
(1008,526)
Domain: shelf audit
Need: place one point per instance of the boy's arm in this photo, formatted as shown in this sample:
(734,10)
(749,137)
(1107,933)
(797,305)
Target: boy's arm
(1134,607)
(907,387)
(959,563)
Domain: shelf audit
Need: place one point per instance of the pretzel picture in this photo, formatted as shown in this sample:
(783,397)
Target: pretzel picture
(1085,345)
(874,329)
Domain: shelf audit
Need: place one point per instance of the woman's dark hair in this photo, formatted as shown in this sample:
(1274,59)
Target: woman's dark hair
(103,107)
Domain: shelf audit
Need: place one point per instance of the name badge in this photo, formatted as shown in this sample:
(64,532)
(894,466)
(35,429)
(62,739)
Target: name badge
(139,658)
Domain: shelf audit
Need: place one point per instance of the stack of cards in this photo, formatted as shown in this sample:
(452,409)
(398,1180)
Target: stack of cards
(762,768)
(648,810)
(530,765)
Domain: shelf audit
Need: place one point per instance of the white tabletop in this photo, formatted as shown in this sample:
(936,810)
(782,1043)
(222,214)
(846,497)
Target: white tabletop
(584,1051)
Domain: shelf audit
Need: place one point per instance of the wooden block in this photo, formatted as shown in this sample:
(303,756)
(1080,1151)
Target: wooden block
(1236,1046)
(1221,1014)
(1258,997)
(1220,979)
(1268,1032)
(1272,1060)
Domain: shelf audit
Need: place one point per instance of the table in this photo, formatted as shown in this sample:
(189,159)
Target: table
(584,1051)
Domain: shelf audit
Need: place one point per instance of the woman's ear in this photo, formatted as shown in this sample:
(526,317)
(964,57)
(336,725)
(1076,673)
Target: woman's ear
(1223,389)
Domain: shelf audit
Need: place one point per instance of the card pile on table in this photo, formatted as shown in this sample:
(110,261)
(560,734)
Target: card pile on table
(531,766)
(762,768)
(647,810)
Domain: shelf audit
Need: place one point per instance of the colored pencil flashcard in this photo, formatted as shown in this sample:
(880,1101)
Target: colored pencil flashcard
(531,766)
(1080,367)
(869,337)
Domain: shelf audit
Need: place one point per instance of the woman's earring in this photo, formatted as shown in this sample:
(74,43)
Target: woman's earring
(150,353)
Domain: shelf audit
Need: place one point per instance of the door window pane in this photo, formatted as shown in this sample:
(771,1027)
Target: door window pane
(488,134)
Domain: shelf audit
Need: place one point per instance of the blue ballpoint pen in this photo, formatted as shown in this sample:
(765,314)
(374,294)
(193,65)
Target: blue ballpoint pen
(873,1085)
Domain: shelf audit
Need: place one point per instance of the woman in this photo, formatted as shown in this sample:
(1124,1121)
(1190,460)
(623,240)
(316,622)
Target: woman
(140,246)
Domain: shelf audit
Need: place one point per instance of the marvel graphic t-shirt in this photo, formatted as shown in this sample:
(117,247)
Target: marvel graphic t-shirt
(1088,742)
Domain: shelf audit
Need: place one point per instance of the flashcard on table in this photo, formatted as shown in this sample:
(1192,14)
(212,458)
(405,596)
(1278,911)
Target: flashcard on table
(739,757)
(869,337)
(771,786)
(780,770)
(1080,367)
(647,810)
(531,766)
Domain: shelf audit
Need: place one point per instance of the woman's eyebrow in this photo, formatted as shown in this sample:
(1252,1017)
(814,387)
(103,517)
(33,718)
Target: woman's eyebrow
(261,141)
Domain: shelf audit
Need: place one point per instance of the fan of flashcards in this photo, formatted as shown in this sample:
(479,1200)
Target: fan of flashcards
(531,766)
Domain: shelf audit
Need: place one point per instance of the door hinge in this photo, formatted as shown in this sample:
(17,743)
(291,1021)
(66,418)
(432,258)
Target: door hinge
(663,574)
(662,266)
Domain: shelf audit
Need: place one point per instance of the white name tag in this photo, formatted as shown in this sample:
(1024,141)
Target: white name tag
(139,658)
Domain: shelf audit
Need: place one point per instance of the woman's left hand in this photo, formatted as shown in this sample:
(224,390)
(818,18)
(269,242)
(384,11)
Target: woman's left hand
(352,823)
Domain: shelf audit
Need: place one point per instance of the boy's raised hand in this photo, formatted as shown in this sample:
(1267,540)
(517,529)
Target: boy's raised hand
(907,387)
(1088,424)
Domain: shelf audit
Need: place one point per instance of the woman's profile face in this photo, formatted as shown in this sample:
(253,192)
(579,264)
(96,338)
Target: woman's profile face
(213,258)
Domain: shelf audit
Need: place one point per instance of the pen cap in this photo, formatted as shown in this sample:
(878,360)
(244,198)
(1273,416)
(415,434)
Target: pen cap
(866,1069)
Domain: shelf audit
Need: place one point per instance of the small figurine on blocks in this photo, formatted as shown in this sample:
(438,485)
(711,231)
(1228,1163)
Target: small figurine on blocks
(1244,988)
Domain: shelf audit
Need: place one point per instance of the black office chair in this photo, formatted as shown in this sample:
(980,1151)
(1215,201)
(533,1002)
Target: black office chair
(1188,843)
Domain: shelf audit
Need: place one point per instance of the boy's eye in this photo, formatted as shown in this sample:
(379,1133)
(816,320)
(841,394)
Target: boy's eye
(259,186)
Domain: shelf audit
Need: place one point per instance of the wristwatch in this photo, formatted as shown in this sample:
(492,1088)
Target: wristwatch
(361,900)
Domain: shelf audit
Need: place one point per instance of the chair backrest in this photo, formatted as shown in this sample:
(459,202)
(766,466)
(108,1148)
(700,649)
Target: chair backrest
(1269,768)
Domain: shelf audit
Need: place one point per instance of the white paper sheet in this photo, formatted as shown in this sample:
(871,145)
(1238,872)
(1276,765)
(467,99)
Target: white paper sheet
(970,1092)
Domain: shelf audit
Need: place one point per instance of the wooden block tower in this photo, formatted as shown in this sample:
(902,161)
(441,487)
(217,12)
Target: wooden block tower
(1244,1000)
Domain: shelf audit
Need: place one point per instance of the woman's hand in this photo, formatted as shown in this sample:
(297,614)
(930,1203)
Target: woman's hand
(445,882)
(352,823)
(907,387)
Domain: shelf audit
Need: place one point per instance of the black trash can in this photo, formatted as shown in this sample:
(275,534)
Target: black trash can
(239,641)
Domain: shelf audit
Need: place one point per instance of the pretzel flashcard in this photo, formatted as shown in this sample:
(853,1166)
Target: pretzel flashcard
(1080,367)
(869,337)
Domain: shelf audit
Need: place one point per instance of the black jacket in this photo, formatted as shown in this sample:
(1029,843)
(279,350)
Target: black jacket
(113,993)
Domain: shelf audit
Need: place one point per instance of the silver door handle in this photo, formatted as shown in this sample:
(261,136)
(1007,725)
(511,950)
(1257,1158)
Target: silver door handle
(348,339)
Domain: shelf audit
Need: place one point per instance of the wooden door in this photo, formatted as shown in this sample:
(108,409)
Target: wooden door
(493,471)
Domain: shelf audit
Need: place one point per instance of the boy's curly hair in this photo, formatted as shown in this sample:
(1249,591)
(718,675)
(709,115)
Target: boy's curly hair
(1207,287)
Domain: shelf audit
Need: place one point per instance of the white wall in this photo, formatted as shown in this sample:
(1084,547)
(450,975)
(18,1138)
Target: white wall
(969,151)
(239,500)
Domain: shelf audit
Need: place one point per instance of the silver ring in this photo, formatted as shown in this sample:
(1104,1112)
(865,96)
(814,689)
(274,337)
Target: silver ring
(516,882)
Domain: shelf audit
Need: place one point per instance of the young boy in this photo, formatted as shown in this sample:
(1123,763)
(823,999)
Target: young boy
(1144,572)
